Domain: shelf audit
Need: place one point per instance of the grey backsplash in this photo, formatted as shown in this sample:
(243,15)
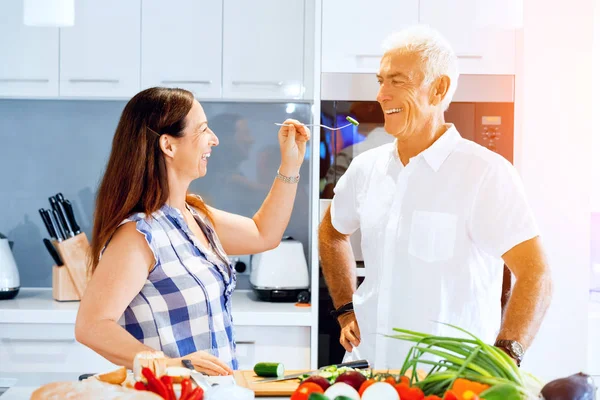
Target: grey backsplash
(50,146)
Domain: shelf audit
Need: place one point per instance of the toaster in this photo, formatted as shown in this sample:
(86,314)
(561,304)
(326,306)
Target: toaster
(281,274)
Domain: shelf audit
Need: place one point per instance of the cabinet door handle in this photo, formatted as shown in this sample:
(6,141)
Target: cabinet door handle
(183,82)
(41,340)
(258,83)
(248,342)
(78,80)
(25,80)
(470,56)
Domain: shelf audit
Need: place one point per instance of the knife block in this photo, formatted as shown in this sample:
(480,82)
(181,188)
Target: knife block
(63,288)
(70,280)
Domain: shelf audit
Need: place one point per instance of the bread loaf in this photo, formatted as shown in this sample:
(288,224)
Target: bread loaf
(155,360)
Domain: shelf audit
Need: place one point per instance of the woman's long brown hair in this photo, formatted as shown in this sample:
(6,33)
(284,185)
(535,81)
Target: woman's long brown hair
(135,179)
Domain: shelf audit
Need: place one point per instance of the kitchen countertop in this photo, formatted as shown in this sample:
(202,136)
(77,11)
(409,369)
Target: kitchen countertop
(35,305)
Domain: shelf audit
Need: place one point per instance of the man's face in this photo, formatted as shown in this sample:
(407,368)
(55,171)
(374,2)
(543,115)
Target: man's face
(404,99)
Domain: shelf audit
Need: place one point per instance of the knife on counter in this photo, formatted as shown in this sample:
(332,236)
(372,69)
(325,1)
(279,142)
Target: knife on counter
(358,364)
(53,252)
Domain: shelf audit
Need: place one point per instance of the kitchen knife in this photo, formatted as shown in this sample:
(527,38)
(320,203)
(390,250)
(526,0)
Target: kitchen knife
(48,223)
(196,376)
(62,219)
(60,234)
(358,364)
(62,213)
(60,197)
(53,252)
(71,217)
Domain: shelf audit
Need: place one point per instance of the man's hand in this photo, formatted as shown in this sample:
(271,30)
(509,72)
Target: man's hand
(350,335)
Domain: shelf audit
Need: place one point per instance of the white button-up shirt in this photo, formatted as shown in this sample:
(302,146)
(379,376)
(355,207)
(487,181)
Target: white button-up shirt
(433,233)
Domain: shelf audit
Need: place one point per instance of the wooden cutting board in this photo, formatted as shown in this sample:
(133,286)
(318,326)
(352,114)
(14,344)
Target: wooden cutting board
(272,389)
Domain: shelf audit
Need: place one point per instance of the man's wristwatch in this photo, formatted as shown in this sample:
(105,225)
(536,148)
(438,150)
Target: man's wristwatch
(513,348)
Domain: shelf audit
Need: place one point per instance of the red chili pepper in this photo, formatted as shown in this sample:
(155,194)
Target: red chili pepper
(154,384)
(197,394)
(140,386)
(186,388)
(168,382)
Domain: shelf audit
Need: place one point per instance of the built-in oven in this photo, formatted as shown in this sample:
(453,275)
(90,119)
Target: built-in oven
(482,111)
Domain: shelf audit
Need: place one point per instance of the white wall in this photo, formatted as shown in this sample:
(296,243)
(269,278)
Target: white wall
(553,149)
(596,111)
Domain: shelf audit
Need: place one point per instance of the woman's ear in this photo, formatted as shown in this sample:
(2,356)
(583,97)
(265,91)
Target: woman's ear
(167,145)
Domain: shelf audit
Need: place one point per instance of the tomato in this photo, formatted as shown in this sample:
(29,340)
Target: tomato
(305,390)
(391,380)
(405,379)
(432,397)
(365,385)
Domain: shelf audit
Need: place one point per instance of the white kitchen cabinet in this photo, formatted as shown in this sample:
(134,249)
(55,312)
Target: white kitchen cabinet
(353,31)
(479,31)
(182,44)
(29,55)
(45,348)
(289,345)
(263,49)
(100,54)
(481,47)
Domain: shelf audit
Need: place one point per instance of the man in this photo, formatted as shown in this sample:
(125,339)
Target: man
(439,217)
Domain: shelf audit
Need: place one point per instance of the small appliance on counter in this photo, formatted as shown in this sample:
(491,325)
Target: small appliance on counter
(9,274)
(281,274)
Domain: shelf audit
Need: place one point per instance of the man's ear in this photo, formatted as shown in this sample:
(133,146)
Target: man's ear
(167,145)
(439,89)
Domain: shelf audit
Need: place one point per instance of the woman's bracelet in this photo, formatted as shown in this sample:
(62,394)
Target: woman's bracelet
(288,179)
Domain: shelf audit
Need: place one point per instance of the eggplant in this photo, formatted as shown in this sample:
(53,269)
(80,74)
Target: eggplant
(575,387)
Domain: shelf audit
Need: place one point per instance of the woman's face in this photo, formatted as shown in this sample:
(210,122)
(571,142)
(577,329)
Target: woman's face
(191,152)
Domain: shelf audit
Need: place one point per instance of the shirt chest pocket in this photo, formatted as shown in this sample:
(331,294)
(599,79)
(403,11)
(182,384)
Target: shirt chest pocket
(432,236)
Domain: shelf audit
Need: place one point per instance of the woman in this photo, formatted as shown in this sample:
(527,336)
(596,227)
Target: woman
(161,279)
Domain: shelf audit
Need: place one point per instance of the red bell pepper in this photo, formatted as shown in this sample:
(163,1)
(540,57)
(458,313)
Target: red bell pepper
(409,393)
(450,395)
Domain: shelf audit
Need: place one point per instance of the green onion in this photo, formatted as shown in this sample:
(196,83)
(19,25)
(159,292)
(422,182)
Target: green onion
(457,357)
(352,121)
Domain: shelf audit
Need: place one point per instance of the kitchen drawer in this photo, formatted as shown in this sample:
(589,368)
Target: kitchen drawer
(289,345)
(46,348)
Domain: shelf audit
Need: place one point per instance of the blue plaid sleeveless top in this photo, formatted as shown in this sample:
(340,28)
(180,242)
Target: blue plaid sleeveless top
(185,304)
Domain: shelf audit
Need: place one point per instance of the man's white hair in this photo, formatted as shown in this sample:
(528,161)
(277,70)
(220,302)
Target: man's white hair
(435,52)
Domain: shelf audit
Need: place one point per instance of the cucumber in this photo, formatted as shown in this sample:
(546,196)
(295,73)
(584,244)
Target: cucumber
(269,369)
(318,396)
